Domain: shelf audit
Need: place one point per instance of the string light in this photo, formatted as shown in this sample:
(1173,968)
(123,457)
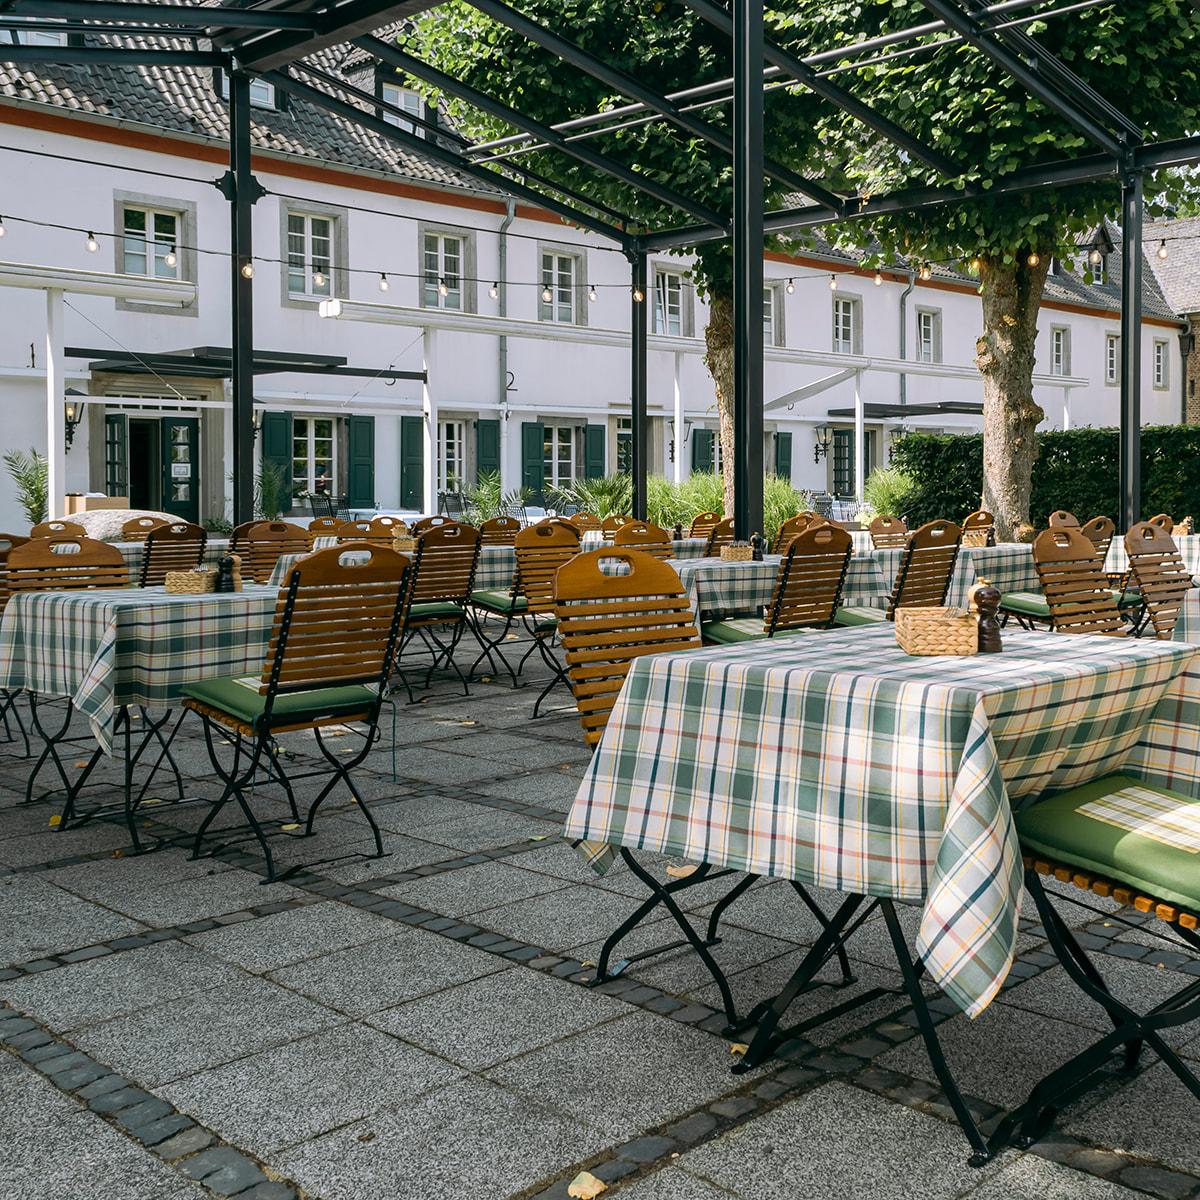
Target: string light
(171,258)
(3,231)
(1034,258)
(1095,258)
(92,244)
(592,293)
(791,287)
(638,295)
(926,271)
(318,279)
(547,295)
(383,282)
(976,265)
(494,290)
(833,283)
(1162,248)
(443,288)
(879,279)
(247,270)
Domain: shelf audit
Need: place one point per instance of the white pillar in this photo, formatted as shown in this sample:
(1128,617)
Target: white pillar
(429,411)
(56,450)
(860,439)
(679,441)
(1066,408)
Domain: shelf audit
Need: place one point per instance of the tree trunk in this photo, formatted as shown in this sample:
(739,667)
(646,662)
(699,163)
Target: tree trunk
(1004,355)
(718,339)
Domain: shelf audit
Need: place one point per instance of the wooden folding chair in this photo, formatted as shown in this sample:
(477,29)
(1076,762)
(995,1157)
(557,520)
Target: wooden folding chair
(641,535)
(808,589)
(1164,521)
(8,699)
(887,533)
(266,542)
(979,529)
(440,580)
(326,527)
(58,529)
(702,524)
(1076,597)
(1158,575)
(586,522)
(793,527)
(381,531)
(614,522)
(434,522)
(1061,519)
(175,547)
(238,536)
(65,563)
(135,530)
(330,653)
(1099,531)
(499,531)
(721,534)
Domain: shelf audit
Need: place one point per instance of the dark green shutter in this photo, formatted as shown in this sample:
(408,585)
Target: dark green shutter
(533,464)
(783,456)
(594,446)
(116,454)
(487,447)
(412,462)
(360,463)
(702,450)
(276,434)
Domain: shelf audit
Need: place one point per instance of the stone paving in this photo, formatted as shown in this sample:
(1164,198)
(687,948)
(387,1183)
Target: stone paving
(420,1027)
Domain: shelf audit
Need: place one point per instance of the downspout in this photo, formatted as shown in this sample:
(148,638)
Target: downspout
(510,211)
(904,295)
(1185,346)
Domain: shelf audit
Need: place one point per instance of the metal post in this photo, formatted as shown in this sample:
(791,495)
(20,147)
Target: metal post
(860,440)
(679,439)
(748,266)
(641,433)
(56,451)
(1131,349)
(241,200)
(429,477)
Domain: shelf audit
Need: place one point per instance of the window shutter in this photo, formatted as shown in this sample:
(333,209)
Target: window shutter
(702,450)
(276,434)
(783,456)
(533,468)
(360,461)
(412,462)
(487,447)
(595,443)
(116,454)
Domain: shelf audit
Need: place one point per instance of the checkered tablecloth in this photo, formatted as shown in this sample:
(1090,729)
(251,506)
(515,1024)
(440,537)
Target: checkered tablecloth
(134,554)
(105,649)
(839,761)
(1189,551)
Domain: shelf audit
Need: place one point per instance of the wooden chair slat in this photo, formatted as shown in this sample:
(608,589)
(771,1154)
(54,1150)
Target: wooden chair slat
(887,533)
(721,534)
(808,587)
(1159,574)
(703,524)
(178,546)
(60,564)
(1073,583)
(641,535)
(499,531)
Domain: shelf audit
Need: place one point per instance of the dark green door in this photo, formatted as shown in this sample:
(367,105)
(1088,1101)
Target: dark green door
(412,462)
(487,447)
(783,456)
(533,459)
(116,454)
(181,467)
(360,463)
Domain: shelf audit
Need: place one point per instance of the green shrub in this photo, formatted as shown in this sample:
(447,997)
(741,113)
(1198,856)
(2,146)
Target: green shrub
(272,491)
(665,505)
(488,499)
(887,492)
(702,492)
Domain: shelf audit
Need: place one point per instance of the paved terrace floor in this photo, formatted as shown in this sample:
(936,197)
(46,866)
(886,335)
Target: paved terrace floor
(418,1027)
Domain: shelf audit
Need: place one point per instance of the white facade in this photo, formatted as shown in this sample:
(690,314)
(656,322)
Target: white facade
(569,375)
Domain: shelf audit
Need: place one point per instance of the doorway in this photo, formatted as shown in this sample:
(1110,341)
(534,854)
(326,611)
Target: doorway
(145,475)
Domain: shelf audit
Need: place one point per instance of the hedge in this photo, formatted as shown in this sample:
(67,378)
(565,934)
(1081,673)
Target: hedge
(1076,469)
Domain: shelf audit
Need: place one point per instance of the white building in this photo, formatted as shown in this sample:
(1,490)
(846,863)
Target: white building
(130,157)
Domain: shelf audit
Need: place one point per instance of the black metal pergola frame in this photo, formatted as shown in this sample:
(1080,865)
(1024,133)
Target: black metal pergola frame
(270,39)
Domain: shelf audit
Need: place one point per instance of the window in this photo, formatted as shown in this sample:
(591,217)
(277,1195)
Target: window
(1060,351)
(314,455)
(562,454)
(843,459)
(1112,358)
(846,339)
(309,255)
(452,451)
(150,237)
(668,303)
(262,94)
(40,37)
(406,99)
(624,445)
(1161,372)
(769,322)
(929,335)
(558,279)
(443,269)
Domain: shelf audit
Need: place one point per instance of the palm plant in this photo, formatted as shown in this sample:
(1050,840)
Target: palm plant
(607,497)
(272,491)
(488,499)
(30,473)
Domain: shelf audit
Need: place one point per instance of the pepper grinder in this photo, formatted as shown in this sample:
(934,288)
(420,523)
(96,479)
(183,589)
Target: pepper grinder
(677,532)
(757,542)
(987,603)
(225,574)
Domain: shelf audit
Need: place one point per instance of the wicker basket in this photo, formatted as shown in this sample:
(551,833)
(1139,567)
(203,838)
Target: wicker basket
(934,631)
(737,552)
(185,583)
(403,542)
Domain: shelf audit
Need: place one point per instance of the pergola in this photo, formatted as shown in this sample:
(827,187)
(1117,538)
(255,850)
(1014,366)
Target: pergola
(270,39)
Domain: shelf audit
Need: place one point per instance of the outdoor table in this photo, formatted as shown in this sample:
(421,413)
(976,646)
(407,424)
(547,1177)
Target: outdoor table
(134,554)
(498,564)
(839,761)
(1117,561)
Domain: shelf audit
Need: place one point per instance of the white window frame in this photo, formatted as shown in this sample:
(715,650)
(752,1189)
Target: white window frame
(307,483)
(448,267)
(929,335)
(407,99)
(847,325)
(262,93)
(452,448)
(153,251)
(551,431)
(770,314)
(310,264)
(41,37)
(1160,365)
(562,307)
(669,293)
(1112,358)
(1060,350)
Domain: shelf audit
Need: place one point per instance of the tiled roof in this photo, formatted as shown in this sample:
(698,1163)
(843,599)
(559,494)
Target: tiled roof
(1179,273)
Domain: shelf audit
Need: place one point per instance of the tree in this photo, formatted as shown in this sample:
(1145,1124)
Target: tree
(665,48)
(1142,57)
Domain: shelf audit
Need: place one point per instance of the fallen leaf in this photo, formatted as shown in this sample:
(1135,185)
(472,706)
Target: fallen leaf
(366,1137)
(738,1048)
(468,722)
(290,825)
(585,1186)
(80,765)
(153,800)
(56,819)
(587,962)
(682,872)
(541,837)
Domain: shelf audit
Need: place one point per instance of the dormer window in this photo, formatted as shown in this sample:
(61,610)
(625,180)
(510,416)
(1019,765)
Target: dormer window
(406,99)
(47,36)
(262,94)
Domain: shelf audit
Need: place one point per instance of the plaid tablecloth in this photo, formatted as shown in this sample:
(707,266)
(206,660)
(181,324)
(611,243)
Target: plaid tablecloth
(839,761)
(498,564)
(1189,551)
(104,649)
(134,554)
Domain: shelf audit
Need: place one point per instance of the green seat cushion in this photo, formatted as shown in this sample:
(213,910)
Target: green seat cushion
(1124,830)
(736,629)
(859,614)
(497,600)
(238,696)
(1127,599)
(438,608)
(1026,604)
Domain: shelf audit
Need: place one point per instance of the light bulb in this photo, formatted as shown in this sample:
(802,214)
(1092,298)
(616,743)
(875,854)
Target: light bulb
(443,288)
(547,295)
(791,288)
(1095,258)
(926,271)
(1162,248)
(638,295)
(3,231)
(879,279)
(592,293)
(383,282)
(247,270)
(976,265)
(318,279)
(1034,259)
(170,258)
(494,290)
(92,244)
(833,283)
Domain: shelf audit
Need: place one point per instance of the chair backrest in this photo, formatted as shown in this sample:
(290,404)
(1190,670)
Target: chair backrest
(702,524)
(614,522)
(263,544)
(336,622)
(808,588)
(434,522)
(178,546)
(541,550)
(58,529)
(1061,519)
(607,621)
(586,521)
(452,504)
(47,565)
(384,529)
(979,529)
(1164,521)
(135,529)
(443,570)
(721,534)
(641,535)
(926,566)
(499,531)
(8,541)
(326,526)
(322,504)
(1158,573)
(888,532)
(357,530)
(1099,531)
(238,535)
(1074,584)
(791,528)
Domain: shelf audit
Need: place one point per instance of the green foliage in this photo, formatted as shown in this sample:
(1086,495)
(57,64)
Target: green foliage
(887,492)
(272,491)
(221,526)
(30,473)
(702,492)
(487,499)
(669,504)
(665,504)
(607,497)
(780,502)
(1076,470)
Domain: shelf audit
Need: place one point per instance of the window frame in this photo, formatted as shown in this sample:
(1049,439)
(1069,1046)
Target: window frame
(309,420)
(855,305)
(1112,358)
(775,334)
(546,310)
(185,213)
(337,276)
(550,446)
(934,318)
(687,325)
(1160,366)
(266,97)
(1060,350)
(401,91)
(42,37)
(446,425)
(467,272)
